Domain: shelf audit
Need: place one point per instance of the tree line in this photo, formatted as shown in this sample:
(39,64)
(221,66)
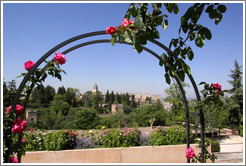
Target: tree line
(64,110)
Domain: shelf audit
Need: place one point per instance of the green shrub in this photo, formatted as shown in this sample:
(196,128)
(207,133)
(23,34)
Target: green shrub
(172,136)
(240,130)
(216,146)
(56,140)
(34,141)
(123,137)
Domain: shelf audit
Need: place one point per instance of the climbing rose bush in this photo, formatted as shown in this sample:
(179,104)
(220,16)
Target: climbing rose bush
(18,110)
(60,58)
(189,153)
(19,126)
(111,30)
(28,65)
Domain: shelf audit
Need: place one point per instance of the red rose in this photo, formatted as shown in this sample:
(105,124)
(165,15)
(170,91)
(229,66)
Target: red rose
(216,86)
(60,58)
(28,65)
(189,153)
(111,30)
(13,160)
(19,126)
(18,110)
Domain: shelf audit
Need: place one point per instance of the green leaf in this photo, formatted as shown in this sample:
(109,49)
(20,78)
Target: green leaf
(161,62)
(213,13)
(175,8)
(176,51)
(133,11)
(218,18)
(158,20)
(192,36)
(207,33)
(183,20)
(165,24)
(199,41)
(190,55)
(202,83)
(141,38)
(127,37)
(112,41)
(137,47)
(209,8)
(221,8)
(167,79)
(138,22)
(181,75)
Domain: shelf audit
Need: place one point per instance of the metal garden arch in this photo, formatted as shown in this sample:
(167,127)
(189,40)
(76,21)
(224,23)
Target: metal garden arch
(97,33)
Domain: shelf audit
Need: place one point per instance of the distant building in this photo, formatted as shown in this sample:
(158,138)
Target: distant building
(31,116)
(138,96)
(95,89)
(156,97)
(116,108)
(144,97)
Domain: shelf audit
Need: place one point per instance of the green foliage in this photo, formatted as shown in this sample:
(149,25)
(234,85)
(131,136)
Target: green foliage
(123,137)
(42,96)
(240,130)
(61,90)
(216,146)
(148,19)
(69,96)
(58,105)
(87,99)
(9,92)
(236,100)
(49,93)
(172,136)
(86,118)
(56,140)
(174,97)
(207,155)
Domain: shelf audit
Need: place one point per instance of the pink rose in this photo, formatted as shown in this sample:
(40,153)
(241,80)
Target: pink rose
(110,30)
(126,22)
(24,141)
(28,65)
(19,126)
(60,58)
(189,153)
(31,129)
(13,160)
(18,110)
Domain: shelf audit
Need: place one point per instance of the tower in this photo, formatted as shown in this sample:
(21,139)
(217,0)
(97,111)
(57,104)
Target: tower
(95,89)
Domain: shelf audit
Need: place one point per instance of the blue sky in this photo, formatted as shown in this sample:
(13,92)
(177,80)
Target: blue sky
(32,29)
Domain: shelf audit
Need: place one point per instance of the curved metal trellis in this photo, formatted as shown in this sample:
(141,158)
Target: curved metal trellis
(96,33)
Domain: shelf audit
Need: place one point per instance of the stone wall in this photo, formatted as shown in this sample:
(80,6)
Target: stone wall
(142,154)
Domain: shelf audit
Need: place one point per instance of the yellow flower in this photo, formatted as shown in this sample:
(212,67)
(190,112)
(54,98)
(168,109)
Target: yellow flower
(103,127)
(90,132)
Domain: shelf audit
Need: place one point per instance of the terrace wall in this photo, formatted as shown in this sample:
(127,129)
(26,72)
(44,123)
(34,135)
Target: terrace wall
(141,154)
